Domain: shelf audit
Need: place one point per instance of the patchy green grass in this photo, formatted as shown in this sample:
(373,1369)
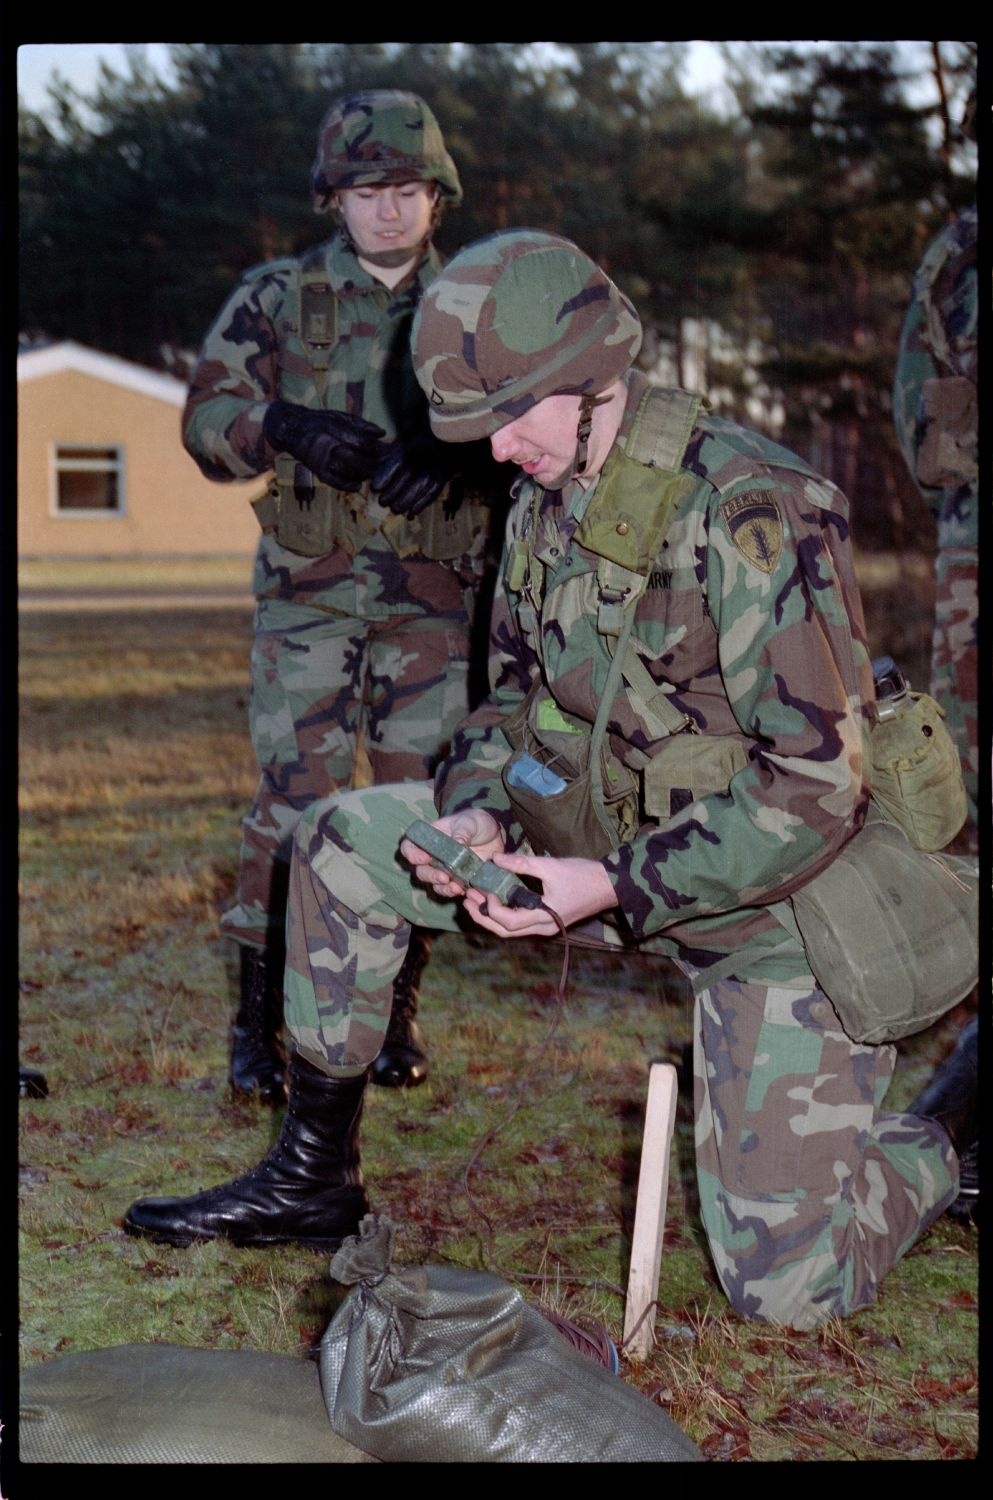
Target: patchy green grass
(520,1154)
(113,574)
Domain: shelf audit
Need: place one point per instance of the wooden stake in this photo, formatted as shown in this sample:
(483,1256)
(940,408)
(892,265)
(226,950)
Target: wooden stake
(649,1213)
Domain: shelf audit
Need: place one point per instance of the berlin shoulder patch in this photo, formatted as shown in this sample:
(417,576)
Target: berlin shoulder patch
(756,527)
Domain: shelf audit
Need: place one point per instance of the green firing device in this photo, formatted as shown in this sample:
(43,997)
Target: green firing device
(459,860)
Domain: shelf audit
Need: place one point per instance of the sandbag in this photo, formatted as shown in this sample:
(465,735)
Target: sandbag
(440,1364)
(158,1404)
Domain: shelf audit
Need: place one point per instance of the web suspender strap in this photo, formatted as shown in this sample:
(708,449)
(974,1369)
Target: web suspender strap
(318,317)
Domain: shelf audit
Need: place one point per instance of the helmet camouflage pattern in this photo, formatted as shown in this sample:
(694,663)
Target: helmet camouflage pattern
(513,318)
(378,136)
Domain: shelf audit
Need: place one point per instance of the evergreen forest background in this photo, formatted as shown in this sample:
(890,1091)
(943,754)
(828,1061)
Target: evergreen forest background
(769,247)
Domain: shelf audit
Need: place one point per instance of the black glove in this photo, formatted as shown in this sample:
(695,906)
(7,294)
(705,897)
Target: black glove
(415,471)
(340,449)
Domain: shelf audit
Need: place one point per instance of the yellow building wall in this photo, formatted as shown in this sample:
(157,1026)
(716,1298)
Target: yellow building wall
(170,509)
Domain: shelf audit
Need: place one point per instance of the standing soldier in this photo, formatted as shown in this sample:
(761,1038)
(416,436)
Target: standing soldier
(937,423)
(674,741)
(372,545)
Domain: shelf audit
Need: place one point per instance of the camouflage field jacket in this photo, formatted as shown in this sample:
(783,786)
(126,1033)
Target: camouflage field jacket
(253,354)
(752,622)
(934,394)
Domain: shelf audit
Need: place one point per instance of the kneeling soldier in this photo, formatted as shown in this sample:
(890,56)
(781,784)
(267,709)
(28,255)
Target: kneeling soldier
(674,740)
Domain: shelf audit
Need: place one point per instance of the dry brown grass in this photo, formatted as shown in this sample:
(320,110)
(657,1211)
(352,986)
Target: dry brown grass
(135,770)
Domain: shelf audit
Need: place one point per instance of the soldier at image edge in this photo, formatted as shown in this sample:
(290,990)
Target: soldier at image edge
(373,535)
(937,422)
(678,630)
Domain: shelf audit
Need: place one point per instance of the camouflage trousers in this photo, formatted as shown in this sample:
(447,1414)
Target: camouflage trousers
(809,1191)
(954,658)
(317,679)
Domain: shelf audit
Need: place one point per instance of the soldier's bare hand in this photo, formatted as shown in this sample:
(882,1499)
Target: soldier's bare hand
(476,829)
(573,888)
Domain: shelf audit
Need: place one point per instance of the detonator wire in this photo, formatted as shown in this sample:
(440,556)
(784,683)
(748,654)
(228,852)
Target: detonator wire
(522,1083)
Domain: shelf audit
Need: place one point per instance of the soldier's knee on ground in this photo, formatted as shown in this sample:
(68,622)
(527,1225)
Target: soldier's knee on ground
(802,1296)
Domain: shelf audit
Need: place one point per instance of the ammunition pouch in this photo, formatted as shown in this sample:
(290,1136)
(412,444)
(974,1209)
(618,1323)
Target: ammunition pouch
(576,822)
(266,509)
(437,535)
(312,519)
(571,822)
(689,766)
(308,517)
(684,768)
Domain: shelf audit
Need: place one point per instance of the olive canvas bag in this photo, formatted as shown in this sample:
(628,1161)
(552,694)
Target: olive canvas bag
(890,932)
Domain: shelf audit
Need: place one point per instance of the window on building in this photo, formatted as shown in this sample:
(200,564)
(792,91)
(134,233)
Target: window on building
(88,480)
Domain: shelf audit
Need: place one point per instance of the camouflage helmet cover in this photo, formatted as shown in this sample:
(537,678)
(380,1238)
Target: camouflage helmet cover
(379,136)
(513,318)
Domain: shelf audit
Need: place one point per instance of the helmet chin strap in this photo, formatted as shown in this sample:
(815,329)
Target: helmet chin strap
(586,405)
(389,258)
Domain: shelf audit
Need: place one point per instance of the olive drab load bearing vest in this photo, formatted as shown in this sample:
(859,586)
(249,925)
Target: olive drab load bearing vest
(891,960)
(604,801)
(312,518)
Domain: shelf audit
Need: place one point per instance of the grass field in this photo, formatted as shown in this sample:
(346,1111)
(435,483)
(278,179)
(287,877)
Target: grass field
(135,771)
(70,576)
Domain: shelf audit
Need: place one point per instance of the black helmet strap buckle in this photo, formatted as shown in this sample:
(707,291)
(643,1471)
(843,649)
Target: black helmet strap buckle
(586,406)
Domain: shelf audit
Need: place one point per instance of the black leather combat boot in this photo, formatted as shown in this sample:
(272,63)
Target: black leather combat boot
(31,1084)
(402,1061)
(965,1209)
(307,1190)
(952,1099)
(256,1055)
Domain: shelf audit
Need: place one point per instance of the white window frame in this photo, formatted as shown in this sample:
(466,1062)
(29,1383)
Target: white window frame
(98,464)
